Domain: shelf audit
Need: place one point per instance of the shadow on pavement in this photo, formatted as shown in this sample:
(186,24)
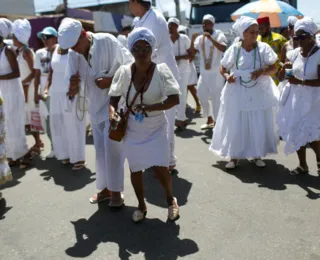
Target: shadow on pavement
(154,192)
(274,177)
(16,175)
(3,208)
(154,238)
(63,175)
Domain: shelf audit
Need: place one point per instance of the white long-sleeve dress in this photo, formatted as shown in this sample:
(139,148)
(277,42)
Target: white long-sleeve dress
(146,143)
(245,127)
(299,117)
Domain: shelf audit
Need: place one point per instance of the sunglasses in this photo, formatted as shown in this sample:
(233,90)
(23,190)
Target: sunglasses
(46,37)
(142,49)
(300,37)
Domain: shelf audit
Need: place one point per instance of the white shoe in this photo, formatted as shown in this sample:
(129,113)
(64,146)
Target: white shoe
(207,126)
(231,165)
(51,155)
(260,163)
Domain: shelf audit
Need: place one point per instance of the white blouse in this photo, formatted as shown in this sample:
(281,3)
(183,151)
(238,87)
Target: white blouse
(163,84)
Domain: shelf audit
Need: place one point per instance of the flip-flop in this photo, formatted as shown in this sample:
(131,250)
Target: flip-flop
(65,161)
(138,215)
(79,166)
(97,200)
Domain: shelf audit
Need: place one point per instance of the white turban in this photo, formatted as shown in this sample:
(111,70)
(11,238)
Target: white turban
(174,20)
(244,23)
(292,20)
(68,33)
(6,27)
(306,24)
(209,17)
(139,34)
(22,30)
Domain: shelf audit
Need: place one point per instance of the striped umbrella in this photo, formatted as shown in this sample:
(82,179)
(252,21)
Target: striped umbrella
(277,11)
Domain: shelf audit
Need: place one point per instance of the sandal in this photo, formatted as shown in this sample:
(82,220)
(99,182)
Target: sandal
(98,198)
(13,163)
(138,215)
(79,166)
(299,171)
(173,211)
(25,163)
(116,203)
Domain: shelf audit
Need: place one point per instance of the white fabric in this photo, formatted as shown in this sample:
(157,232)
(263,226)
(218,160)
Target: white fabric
(235,26)
(155,21)
(135,20)
(209,17)
(245,124)
(42,62)
(22,30)
(109,159)
(244,23)
(67,131)
(180,47)
(24,73)
(181,108)
(6,27)
(101,66)
(149,137)
(123,39)
(292,20)
(174,20)
(12,91)
(306,24)
(298,119)
(139,34)
(193,75)
(217,55)
(69,32)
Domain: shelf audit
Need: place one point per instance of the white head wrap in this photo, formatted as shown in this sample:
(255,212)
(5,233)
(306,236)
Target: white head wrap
(6,27)
(22,30)
(306,24)
(244,23)
(209,17)
(139,34)
(68,33)
(182,28)
(235,26)
(174,20)
(292,20)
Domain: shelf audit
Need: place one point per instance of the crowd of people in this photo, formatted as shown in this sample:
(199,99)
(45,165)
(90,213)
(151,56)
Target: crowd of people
(134,90)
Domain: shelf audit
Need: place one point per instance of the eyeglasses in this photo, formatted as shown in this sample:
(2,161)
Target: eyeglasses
(142,49)
(46,37)
(300,37)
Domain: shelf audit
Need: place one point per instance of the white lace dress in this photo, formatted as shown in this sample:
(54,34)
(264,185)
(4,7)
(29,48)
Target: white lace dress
(299,117)
(146,143)
(245,125)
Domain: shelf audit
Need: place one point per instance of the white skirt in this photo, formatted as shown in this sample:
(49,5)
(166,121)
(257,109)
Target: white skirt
(146,143)
(16,142)
(244,134)
(30,105)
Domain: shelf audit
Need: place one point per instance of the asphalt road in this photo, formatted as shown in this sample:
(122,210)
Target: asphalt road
(245,214)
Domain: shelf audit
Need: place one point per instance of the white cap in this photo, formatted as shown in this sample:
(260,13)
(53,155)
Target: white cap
(306,24)
(68,33)
(209,17)
(174,20)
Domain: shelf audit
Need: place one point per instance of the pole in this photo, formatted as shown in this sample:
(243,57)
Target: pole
(65,2)
(177,2)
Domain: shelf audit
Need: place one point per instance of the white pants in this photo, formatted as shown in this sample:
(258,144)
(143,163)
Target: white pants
(181,108)
(209,90)
(67,131)
(109,159)
(171,116)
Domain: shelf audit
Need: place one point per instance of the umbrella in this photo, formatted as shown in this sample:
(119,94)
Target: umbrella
(277,11)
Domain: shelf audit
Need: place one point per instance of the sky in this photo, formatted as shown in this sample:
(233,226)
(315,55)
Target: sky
(307,7)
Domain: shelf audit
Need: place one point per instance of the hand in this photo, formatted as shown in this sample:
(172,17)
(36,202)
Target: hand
(142,108)
(112,113)
(208,35)
(103,83)
(256,74)
(231,79)
(293,80)
(195,35)
(287,65)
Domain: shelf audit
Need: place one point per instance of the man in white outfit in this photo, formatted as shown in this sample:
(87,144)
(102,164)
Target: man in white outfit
(211,46)
(154,21)
(94,59)
(181,45)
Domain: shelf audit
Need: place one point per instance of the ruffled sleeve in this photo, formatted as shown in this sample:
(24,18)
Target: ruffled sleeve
(118,82)
(269,56)
(169,85)
(229,58)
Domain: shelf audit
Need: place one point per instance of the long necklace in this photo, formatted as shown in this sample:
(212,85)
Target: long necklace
(207,62)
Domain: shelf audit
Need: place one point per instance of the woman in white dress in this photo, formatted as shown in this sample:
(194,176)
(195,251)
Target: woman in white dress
(298,117)
(67,125)
(21,35)
(245,126)
(12,92)
(146,142)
